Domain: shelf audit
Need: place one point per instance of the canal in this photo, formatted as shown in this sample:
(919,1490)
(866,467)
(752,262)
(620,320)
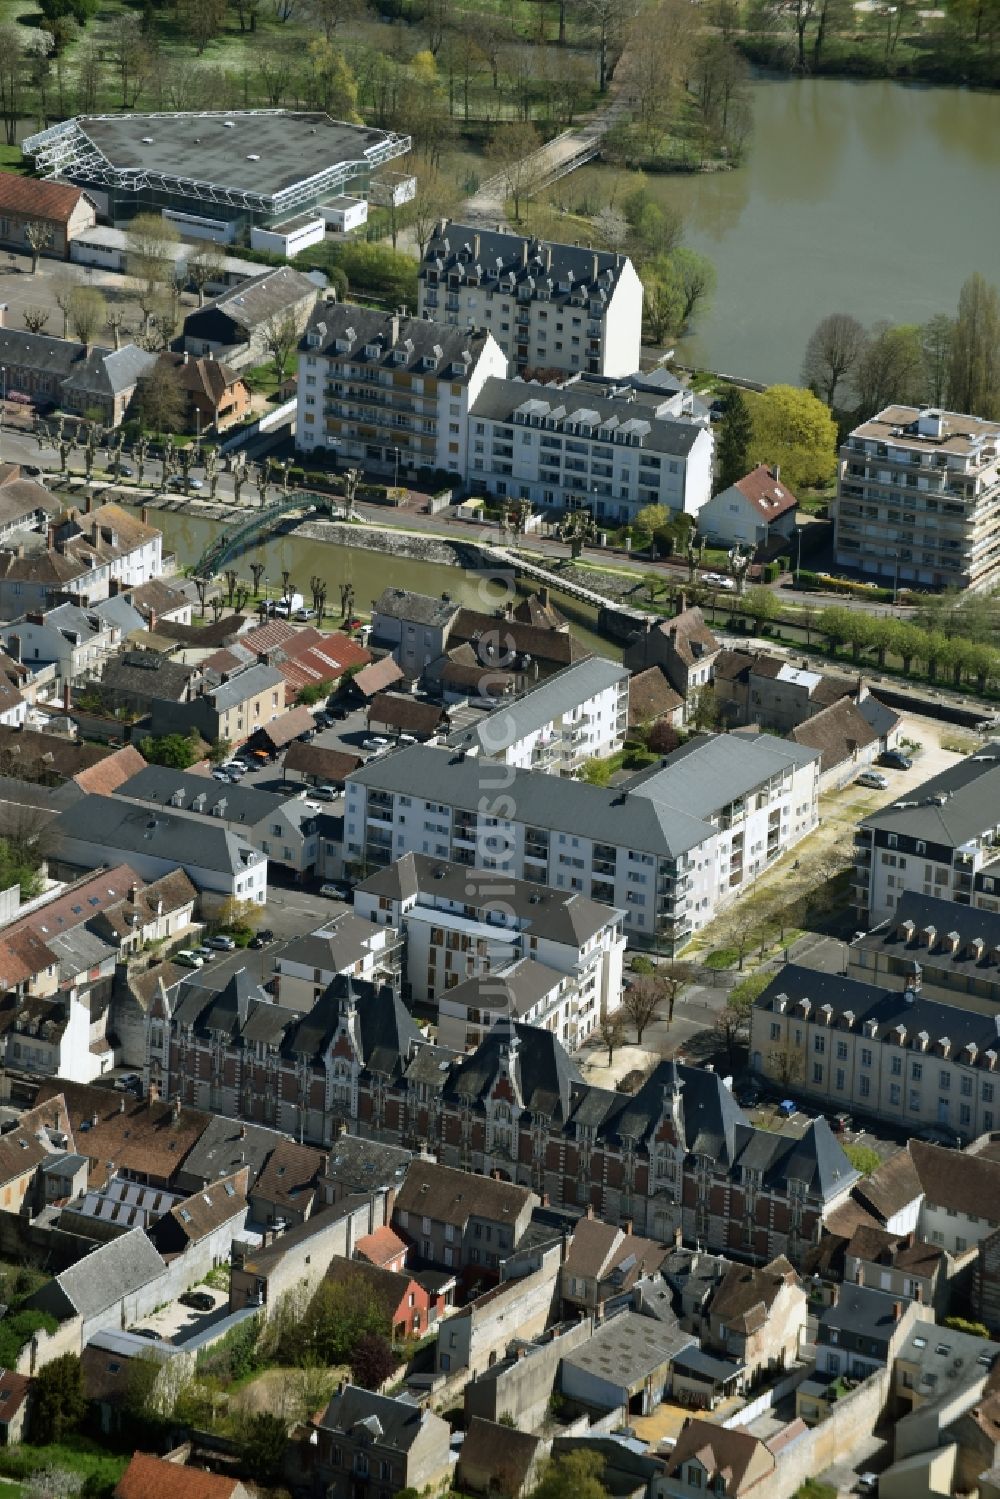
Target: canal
(370,572)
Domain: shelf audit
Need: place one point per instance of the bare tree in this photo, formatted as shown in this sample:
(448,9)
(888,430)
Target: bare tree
(641,1003)
(612,1033)
(205,265)
(674,978)
(832,353)
(114,322)
(35,318)
(87,312)
(280,334)
(150,241)
(784,1064)
(39,237)
(512,149)
(64,289)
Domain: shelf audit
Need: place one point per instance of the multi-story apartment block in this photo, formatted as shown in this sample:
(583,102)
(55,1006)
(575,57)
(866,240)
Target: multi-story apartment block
(669,847)
(953,950)
(941,839)
(893,1055)
(579,714)
(526,991)
(563,447)
(549,306)
(459,923)
(388,392)
(676,1156)
(919,498)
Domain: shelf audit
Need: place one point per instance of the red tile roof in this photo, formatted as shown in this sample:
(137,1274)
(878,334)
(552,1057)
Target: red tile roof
(380,1247)
(149,1477)
(43,200)
(768,497)
(107,775)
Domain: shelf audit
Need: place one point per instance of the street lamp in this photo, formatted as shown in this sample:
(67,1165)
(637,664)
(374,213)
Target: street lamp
(3,403)
(395,477)
(798,556)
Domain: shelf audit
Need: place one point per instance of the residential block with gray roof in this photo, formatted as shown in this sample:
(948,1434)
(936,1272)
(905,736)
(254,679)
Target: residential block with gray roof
(891,1054)
(222,864)
(942,839)
(579,714)
(669,847)
(389,392)
(558,446)
(453,923)
(550,306)
(282,828)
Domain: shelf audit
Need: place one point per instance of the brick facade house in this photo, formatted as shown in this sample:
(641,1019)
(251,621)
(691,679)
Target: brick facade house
(679,1154)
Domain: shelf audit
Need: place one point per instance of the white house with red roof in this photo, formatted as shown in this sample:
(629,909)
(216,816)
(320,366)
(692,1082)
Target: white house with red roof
(751,512)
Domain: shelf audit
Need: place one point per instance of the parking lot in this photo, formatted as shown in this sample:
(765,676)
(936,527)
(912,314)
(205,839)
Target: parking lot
(178,1324)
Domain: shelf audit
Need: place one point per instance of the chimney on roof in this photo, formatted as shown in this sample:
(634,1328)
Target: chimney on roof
(14,647)
(95,1120)
(52,535)
(897,1310)
(152,621)
(121,1105)
(678,1238)
(177,1109)
(243,1131)
(67,697)
(143,514)
(3,314)
(590,1210)
(153,1092)
(88,504)
(524,252)
(187,356)
(776,472)
(834,1294)
(627,1227)
(133,892)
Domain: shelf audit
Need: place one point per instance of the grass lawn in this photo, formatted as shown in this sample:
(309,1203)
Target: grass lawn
(99,1468)
(10,1490)
(722,957)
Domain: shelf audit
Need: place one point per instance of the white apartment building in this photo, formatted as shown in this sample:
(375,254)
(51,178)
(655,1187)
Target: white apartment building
(563,447)
(549,306)
(919,499)
(669,848)
(889,1054)
(459,924)
(579,714)
(526,991)
(390,393)
(940,839)
(344,944)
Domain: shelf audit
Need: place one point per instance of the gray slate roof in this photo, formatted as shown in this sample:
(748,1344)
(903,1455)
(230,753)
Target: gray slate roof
(108,1273)
(245,684)
(951,808)
(252,302)
(400,1421)
(496,251)
(123,828)
(244,804)
(417,608)
(546,702)
(557,407)
(661,812)
(431,348)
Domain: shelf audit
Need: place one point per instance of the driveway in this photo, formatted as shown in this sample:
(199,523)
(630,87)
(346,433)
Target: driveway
(177,1324)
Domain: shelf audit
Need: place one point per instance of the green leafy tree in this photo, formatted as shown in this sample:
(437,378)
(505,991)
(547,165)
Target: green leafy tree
(761,605)
(178,751)
(572,1475)
(313,692)
(863,1158)
(264,1439)
(793,428)
(736,435)
(59,1402)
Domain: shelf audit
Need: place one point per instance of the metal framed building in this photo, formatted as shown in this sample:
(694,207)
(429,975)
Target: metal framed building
(216,173)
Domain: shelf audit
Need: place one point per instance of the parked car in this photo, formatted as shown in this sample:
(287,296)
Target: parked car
(220,773)
(303,615)
(125,471)
(150,1333)
(199,1301)
(872,778)
(196,484)
(895,760)
(375,742)
(31,469)
(307,736)
(334,892)
(235,768)
(188,959)
(262,938)
(203,950)
(324,719)
(221,943)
